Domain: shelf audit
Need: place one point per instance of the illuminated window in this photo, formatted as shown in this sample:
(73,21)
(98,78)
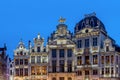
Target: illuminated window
(61,53)
(33,59)
(102,59)
(32,70)
(95,41)
(79,44)
(53,78)
(87,61)
(69,78)
(79,60)
(69,64)
(54,52)
(38,70)
(69,53)
(95,60)
(95,72)
(61,78)
(86,42)
(44,70)
(61,64)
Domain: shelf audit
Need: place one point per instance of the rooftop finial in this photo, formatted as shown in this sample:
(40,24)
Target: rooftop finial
(38,35)
(62,20)
(91,14)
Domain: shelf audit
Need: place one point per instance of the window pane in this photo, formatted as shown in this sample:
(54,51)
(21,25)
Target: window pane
(54,53)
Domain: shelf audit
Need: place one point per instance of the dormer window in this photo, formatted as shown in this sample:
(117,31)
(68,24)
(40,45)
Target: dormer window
(38,49)
(107,48)
(21,53)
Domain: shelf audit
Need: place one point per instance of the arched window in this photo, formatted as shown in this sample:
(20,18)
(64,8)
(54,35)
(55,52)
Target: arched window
(69,78)
(53,78)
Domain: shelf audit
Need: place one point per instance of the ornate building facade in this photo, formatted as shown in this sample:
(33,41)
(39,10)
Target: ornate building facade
(4,64)
(88,54)
(38,60)
(21,60)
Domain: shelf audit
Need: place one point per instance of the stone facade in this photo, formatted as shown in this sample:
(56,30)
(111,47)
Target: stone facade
(88,54)
(4,64)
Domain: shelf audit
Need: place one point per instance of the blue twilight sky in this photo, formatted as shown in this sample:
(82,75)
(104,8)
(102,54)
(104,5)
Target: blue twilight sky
(26,18)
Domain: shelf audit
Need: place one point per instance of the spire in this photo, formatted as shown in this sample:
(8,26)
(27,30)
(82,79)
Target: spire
(62,20)
(38,35)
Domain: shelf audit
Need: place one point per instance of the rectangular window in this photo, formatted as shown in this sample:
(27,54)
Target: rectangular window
(87,60)
(79,43)
(102,59)
(69,53)
(21,61)
(95,72)
(86,43)
(107,48)
(54,53)
(11,72)
(44,59)
(61,53)
(44,70)
(107,70)
(116,59)
(61,64)
(117,70)
(38,49)
(26,71)
(32,59)
(112,71)
(79,73)
(17,72)
(38,70)
(112,59)
(107,60)
(32,70)
(38,59)
(16,61)
(95,60)
(69,64)
(21,72)
(79,60)
(102,71)
(54,64)
(95,41)
(26,61)
(61,78)
(86,72)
